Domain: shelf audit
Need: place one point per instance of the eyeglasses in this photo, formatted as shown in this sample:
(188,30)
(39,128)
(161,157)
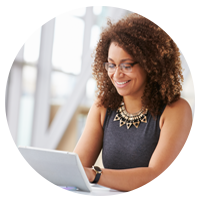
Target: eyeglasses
(125,67)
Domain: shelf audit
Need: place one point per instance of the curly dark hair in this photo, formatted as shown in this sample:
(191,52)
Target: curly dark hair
(155,51)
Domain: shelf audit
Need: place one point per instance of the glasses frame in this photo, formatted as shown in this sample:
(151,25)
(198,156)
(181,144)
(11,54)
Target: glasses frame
(121,66)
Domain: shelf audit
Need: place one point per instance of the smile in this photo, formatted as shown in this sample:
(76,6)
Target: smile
(121,84)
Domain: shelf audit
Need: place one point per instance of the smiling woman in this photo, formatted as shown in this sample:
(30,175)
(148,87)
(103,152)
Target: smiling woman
(145,155)
(138,119)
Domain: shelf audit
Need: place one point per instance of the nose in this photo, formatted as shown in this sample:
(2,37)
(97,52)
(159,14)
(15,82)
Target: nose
(118,72)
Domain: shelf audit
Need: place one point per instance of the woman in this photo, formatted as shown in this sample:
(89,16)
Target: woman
(138,119)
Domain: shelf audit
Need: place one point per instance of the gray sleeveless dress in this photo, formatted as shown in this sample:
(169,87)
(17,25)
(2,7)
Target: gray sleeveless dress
(129,148)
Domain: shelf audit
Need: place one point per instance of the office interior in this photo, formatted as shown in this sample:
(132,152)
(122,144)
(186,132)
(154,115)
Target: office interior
(50,88)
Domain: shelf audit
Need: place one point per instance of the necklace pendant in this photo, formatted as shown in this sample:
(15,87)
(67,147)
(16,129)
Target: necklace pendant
(143,119)
(128,124)
(117,117)
(136,124)
(122,122)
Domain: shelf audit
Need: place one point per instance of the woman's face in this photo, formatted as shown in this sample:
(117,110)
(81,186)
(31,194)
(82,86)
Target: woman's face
(127,84)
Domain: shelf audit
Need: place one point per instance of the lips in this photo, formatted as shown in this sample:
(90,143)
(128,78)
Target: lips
(121,84)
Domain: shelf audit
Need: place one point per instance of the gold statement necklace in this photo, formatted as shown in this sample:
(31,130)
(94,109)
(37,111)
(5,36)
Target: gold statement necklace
(126,118)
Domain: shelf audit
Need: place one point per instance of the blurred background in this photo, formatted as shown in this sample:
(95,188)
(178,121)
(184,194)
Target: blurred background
(50,87)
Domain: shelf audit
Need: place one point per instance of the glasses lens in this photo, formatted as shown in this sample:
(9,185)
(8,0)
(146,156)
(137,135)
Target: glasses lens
(126,67)
(110,67)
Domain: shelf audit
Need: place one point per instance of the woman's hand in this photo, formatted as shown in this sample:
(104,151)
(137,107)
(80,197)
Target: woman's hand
(90,173)
(28,174)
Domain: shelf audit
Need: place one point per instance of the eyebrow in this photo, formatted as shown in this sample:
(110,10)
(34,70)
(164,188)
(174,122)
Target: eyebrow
(121,60)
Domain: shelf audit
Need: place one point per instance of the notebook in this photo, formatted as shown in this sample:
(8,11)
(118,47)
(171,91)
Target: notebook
(59,167)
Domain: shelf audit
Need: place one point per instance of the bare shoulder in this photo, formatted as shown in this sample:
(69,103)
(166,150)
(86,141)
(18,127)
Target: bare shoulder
(181,105)
(179,111)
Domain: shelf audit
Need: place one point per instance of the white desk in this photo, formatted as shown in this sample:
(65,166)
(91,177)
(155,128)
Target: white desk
(97,191)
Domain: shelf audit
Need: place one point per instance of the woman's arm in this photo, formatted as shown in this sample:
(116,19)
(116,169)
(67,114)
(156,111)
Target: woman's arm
(90,143)
(175,126)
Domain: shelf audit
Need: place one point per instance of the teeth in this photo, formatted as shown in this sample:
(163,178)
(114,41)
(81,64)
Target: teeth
(121,83)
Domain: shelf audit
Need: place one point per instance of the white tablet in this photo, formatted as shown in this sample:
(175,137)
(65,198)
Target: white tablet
(59,167)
